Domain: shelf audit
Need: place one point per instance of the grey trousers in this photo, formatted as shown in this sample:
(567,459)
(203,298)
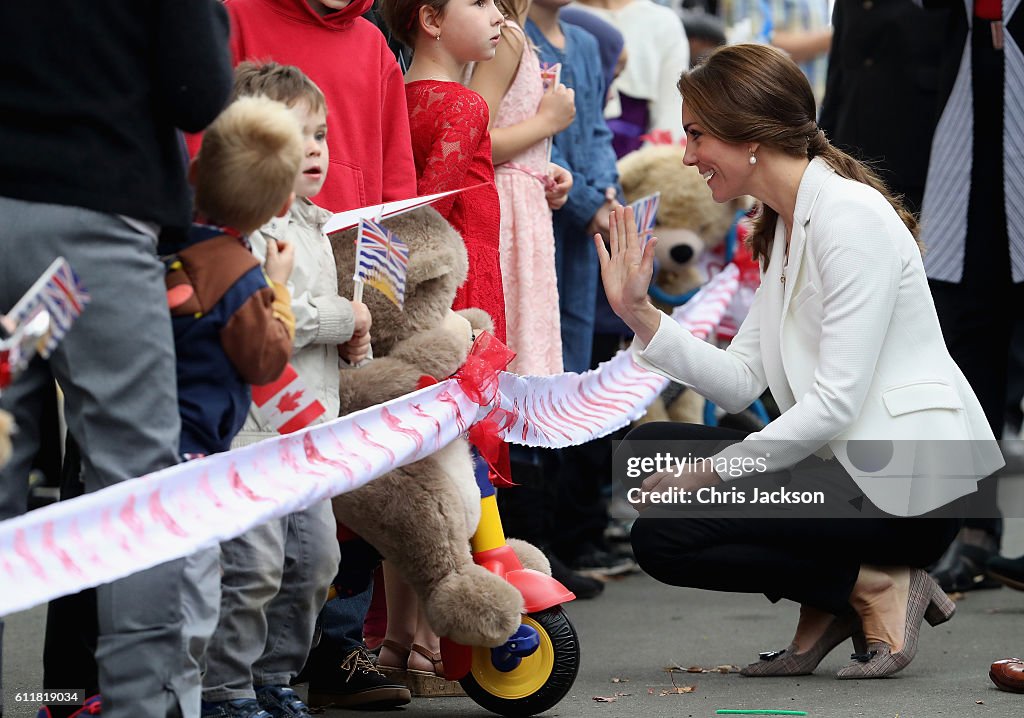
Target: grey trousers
(274,582)
(116,368)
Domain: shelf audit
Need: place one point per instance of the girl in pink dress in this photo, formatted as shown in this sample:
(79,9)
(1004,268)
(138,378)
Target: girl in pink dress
(523,118)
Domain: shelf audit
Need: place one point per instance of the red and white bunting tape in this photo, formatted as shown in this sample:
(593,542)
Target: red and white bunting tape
(71,545)
(570,409)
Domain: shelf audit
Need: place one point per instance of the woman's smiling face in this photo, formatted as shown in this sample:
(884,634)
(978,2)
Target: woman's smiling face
(725,166)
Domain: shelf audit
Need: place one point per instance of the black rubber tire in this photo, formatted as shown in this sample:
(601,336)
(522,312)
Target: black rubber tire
(566,647)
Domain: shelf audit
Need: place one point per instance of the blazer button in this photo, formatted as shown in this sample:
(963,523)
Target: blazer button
(868,62)
(868,4)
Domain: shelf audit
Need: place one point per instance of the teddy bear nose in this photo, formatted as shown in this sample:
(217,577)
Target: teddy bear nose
(681,253)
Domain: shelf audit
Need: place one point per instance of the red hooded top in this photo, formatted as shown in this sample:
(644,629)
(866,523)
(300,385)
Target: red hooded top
(347,57)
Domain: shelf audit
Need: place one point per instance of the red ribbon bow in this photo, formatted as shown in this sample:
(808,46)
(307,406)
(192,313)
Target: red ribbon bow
(485,435)
(478,377)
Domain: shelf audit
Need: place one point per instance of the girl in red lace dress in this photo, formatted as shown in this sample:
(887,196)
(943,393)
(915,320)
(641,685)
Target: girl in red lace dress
(452,149)
(451,145)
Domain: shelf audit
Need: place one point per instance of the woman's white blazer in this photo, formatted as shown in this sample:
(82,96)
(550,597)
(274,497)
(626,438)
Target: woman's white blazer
(851,349)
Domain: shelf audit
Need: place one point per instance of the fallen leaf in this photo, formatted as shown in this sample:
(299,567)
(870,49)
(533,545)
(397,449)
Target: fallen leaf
(620,680)
(980,703)
(728,669)
(611,698)
(696,669)
(673,667)
(677,690)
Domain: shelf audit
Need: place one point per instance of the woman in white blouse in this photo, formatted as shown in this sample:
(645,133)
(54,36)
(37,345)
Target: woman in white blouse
(843,332)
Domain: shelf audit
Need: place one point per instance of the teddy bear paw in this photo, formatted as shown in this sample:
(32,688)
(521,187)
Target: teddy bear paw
(529,555)
(475,607)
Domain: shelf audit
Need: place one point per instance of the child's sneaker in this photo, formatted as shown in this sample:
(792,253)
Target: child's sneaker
(241,708)
(91,707)
(281,702)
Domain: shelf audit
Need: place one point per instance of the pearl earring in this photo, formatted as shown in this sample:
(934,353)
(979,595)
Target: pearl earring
(753,160)
(438,37)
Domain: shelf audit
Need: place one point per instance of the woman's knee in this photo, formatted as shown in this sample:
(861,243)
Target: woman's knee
(654,553)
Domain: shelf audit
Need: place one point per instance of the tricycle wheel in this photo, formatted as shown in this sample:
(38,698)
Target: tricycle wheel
(540,681)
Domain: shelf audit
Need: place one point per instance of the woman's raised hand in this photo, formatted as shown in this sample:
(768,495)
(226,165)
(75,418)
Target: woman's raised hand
(627,266)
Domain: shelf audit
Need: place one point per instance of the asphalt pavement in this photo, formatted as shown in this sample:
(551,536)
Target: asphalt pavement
(638,628)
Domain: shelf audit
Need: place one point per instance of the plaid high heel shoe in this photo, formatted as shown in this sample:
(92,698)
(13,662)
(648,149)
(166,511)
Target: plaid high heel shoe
(925,601)
(788,662)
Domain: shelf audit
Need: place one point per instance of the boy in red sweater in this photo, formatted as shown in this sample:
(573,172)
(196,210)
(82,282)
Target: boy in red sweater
(348,58)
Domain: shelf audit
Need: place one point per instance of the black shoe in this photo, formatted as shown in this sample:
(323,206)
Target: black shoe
(617,533)
(583,586)
(595,562)
(1009,571)
(356,683)
(962,568)
(281,702)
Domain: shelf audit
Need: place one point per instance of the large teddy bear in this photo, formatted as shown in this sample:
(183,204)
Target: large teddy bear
(421,516)
(691,229)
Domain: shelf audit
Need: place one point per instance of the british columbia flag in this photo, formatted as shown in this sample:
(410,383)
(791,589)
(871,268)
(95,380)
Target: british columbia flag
(382,261)
(645,212)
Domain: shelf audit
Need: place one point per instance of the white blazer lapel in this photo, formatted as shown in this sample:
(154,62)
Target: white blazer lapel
(810,185)
(792,269)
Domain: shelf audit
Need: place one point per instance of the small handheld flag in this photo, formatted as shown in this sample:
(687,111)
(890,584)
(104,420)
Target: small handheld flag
(382,261)
(645,212)
(550,75)
(41,318)
(287,404)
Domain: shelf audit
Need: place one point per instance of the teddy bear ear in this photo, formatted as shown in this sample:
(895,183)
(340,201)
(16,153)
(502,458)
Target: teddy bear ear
(435,248)
(644,171)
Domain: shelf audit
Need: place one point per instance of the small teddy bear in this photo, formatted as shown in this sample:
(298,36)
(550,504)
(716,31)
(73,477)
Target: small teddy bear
(421,516)
(689,224)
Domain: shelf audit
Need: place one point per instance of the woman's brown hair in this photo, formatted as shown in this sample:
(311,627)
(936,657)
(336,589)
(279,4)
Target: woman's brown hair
(756,93)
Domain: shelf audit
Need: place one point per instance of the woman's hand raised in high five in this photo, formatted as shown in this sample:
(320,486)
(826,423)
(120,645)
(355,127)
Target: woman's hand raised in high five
(627,266)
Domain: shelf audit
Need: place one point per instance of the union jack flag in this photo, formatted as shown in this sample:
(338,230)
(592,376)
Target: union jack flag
(61,293)
(41,318)
(382,261)
(645,212)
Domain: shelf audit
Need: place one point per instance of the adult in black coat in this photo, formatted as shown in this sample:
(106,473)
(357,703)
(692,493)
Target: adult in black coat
(882,96)
(922,91)
(973,227)
(92,169)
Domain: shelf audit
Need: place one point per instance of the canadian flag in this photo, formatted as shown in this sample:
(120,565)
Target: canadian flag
(287,404)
